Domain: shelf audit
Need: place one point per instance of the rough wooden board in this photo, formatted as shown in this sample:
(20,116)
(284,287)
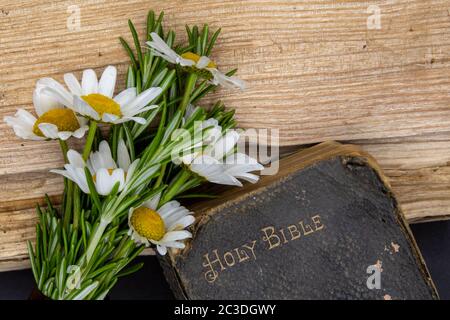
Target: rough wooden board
(419,171)
(314,71)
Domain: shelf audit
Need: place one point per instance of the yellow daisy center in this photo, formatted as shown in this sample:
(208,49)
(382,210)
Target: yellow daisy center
(195,57)
(148,223)
(64,119)
(102,104)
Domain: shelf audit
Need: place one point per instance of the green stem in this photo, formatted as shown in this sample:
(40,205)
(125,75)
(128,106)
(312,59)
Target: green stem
(76,206)
(161,176)
(67,210)
(67,213)
(64,149)
(95,238)
(89,139)
(175,187)
(105,219)
(190,84)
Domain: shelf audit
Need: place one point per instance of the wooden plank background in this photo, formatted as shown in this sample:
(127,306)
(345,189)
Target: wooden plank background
(315,71)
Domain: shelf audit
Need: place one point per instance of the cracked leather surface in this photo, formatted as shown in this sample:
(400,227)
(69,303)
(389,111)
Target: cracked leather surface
(347,220)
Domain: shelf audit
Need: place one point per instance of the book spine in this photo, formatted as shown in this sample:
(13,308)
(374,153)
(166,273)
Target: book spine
(172,277)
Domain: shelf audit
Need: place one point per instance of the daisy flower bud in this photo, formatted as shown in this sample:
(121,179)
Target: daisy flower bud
(104,170)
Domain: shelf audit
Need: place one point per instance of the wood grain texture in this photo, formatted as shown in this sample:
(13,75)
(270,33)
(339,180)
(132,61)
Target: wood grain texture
(419,171)
(313,68)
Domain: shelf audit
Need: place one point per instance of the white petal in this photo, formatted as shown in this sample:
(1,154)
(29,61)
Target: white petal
(137,238)
(250,177)
(55,90)
(174,244)
(105,151)
(189,158)
(82,121)
(25,116)
(175,216)
(118,175)
(160,48)
(64,173)
(215,173)
(203,62)
(133,107)
(168,208)
(103,182)
(176,235)
(109,118)
(43,102)
(206,160)
(123,158)
(153,202)
(239,163)
(125,96)
(226,81)
(224,145)
(108,81)
(182,223)
(73,84)
(131,170)
(241,158)
(151,107)
(77,175)
(162,250)
(79,133)
(185,62)
(22,123)
(22,119)
(209,172)
(81,107)
(102,158)
(89,82)
(64,135)
(49,130)
(75,159)
(139,120)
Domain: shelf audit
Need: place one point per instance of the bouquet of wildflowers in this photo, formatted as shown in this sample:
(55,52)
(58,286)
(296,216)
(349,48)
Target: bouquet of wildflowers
(145,148)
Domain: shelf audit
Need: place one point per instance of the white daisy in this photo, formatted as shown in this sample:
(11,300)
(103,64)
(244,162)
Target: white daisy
(218,163)
(54,121)
(93,98)
(102,167)
(163,227)
(191,60)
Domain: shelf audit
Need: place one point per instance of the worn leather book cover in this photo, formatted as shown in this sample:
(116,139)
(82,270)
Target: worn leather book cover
(327,226)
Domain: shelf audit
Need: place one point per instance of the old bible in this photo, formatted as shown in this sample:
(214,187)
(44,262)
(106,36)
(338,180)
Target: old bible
(327,226)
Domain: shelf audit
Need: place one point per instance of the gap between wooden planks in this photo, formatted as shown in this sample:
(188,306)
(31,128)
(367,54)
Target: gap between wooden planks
(314,71)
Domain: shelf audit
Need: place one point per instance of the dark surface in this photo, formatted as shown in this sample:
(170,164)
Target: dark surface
(148,283)
(433,239)
(232,257)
